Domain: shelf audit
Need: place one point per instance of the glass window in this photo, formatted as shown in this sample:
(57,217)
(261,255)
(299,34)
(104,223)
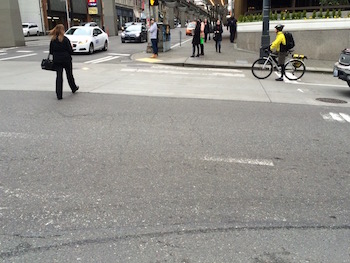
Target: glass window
(79,31)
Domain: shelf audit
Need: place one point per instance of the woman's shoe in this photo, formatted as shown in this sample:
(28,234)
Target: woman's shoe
(197,55)
(192,56)
(74,90)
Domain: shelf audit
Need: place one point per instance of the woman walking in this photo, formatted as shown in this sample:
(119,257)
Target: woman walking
(196,39)
(61,49)
(218,35)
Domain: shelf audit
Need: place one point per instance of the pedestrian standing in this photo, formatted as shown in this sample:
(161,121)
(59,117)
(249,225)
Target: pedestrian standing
(233,28)
(196,39)
(218,35)
(154,37)
(206,30)
(61,49)
(202,37)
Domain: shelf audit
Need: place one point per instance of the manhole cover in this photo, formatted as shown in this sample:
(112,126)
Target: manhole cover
(328,100)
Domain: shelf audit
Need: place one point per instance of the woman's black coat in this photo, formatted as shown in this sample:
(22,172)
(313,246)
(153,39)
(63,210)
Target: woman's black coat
(196,36)
(61,51)
(218,32)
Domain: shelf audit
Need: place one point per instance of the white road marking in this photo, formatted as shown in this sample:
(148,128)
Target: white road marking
(28,55)
(13,135)
(121,55)
(345,116)
(179,72)
(336,117)
(100,60)
(263,162)
(220,70)
(183,42)
(301,90)
(24,51)
(46,52)
(340,117)
(316,84)
(3,54)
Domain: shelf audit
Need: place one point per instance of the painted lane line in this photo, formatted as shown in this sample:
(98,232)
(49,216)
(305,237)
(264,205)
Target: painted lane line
(199,69)
(117,54)
(28,55)
(1,54)
(24,51)
(262,162)
(345,116)
(178,44)
(170,72)
(104,60)
(301,90)
(336,117)
(98,59)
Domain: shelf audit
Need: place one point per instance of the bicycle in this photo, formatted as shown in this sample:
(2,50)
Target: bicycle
(294,68)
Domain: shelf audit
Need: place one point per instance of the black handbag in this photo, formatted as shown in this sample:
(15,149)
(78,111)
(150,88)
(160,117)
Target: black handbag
(47,64)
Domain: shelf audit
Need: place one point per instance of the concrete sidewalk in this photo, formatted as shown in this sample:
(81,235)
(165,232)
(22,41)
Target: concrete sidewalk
(230,57)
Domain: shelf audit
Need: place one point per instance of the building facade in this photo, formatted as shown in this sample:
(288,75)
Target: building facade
(242,7)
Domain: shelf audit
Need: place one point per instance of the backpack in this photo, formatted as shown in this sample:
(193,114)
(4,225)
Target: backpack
(289,41)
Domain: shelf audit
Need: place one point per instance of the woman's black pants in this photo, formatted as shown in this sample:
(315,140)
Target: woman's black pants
(68,67)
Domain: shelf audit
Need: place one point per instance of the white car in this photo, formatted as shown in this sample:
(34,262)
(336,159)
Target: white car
(30,29)
(87,39)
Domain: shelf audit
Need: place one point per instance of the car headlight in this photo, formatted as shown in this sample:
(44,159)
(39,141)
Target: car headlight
(137,34)
(123,34)
(83,41)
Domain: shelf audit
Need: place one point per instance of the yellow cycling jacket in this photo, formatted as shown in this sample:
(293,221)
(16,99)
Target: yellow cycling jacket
(280,39)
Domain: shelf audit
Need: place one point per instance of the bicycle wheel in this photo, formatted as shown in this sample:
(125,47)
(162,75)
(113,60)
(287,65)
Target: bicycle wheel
(262,68)
(294,69)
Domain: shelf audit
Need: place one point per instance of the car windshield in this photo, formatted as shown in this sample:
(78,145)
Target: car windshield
(192,25)
(25,26)
(77,31)
(134,28)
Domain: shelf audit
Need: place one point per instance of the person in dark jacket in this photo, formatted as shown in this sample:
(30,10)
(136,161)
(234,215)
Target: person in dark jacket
(233,28)
(218,35)
(196,39)
(61,49)
(206,30)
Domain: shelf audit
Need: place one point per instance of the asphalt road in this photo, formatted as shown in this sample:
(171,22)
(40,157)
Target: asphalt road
(203,165)
(37,48)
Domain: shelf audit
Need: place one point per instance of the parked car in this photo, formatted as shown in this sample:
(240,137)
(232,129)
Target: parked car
(136,32)
(342,67)
(190,28)
(87,39)
(30,29)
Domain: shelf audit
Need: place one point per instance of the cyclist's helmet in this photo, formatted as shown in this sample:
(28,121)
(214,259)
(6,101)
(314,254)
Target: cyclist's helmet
(279,27)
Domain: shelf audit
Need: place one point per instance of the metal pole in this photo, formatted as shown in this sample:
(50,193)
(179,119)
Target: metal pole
(265,37)
(68,20)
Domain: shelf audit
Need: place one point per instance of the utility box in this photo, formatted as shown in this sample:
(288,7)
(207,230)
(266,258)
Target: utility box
(164,37)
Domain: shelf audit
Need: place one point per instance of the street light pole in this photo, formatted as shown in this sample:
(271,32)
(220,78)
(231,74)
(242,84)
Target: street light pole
(265,37)
(67,10)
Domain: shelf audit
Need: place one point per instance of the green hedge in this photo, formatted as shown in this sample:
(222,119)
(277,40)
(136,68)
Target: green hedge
(286,15)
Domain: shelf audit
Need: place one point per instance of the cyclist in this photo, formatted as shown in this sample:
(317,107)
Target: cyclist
(279,45)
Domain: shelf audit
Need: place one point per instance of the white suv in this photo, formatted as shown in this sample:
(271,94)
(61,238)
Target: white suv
(30,29)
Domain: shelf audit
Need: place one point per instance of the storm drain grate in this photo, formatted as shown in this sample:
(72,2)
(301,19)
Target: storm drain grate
(329,100)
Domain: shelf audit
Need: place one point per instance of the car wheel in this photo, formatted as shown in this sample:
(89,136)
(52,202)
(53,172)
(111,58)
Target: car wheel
(38,33)
(28,34)
(123,41)
(105,47)
(91,48)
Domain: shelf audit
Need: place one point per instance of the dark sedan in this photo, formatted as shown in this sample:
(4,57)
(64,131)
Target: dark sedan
(134,33)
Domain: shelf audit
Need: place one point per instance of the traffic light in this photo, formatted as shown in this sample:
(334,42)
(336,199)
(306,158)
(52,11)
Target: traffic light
(153,2)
